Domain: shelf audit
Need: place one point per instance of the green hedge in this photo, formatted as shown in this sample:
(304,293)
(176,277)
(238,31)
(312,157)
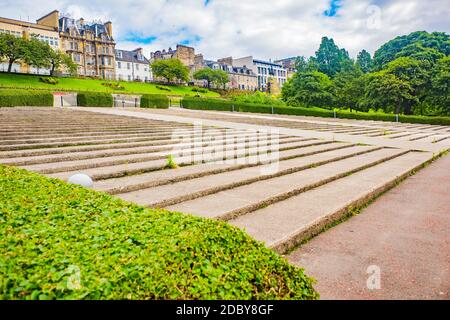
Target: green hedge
(62,241)
(94,99)
(154,101)
(16,98)
(227,105)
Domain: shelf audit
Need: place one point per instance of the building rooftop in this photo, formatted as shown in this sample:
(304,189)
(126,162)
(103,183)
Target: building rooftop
(135,56)
(26,24)
(268,63)
(98,29)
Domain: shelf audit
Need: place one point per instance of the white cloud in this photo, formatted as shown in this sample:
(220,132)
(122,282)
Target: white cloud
(263,28)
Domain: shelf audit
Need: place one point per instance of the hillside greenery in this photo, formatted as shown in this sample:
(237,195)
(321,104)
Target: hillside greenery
(25,81)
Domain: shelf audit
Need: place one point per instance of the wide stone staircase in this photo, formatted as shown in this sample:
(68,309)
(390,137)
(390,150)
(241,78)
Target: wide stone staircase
(315,183)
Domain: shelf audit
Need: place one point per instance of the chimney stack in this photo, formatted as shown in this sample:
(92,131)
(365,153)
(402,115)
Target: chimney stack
(108,26)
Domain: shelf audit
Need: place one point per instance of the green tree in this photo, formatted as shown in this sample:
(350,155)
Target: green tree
(437,100)
(220,78)
(310,89)
(364,61)
(37,53)
(349,89)
(204,74)
(416,73)
(59,60)
(387,92)
(330,59)
(408,45)
(217,77)
(12,49)
(170,69)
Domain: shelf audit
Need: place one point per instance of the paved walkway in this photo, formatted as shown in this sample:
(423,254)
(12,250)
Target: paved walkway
(405,233)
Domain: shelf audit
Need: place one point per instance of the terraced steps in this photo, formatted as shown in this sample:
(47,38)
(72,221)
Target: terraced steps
(284,225)
(196,188)
(248,198)
(313,181)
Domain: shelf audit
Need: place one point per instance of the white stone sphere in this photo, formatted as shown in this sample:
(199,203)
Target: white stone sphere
(81,179)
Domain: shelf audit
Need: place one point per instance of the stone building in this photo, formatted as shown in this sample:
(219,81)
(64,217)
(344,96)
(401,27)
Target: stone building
(39,30)
(91,46)
(289,65)
(185,54)
(270,76)
(132,66)
(239,77)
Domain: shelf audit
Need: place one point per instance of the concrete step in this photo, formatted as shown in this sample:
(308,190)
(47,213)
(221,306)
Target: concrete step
(30,159)
(94,141)
(191,189)
(81,164)
(121,170)
(284,225)
(153,179)
(248,198)
(84,133)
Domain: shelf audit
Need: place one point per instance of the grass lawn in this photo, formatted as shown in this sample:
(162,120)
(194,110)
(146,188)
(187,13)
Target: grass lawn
(22,81)
(61,241)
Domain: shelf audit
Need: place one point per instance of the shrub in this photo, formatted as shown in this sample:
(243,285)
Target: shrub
(227,105)
(198,89)
(94,99)
(163,88)
(16,98)
(62,241)
(154,101)
(258,98)
(113,85)
(48,80)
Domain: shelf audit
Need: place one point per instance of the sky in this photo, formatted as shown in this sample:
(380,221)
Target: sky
(266,29)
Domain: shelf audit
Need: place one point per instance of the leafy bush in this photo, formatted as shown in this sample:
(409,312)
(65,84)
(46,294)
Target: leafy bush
(113,85)
(258,98)
(94,99)
(163,88)
(227,105)
(62,241)
(198,89)
(48,80)
(154,101)
(15,98)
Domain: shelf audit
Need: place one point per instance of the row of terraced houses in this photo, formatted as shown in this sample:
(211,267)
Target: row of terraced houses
(92,47)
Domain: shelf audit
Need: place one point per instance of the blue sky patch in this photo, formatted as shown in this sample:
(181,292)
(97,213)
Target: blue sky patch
(191,41)
(334,7)
(139,38)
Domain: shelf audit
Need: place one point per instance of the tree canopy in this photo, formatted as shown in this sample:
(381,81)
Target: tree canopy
(33,52)
(416,44)
(217,77)
(170,70)
(409,74)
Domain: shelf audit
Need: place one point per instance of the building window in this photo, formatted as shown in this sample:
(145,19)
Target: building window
(137,66)
(129,78)
(128,66)
(119,65)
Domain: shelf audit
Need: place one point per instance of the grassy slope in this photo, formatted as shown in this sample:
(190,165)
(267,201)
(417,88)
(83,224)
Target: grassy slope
(51,229)
(73,84)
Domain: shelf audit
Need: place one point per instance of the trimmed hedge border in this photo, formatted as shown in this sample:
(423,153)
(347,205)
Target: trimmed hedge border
(63,241)
(30,98)
(227,105)
(94,99)
(158,101)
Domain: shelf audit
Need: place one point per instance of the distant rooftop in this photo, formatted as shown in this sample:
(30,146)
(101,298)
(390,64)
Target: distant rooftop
(65,23)
(131,56)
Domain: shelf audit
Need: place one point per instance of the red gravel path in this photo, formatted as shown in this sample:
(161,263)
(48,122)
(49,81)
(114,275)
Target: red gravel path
(406,233)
